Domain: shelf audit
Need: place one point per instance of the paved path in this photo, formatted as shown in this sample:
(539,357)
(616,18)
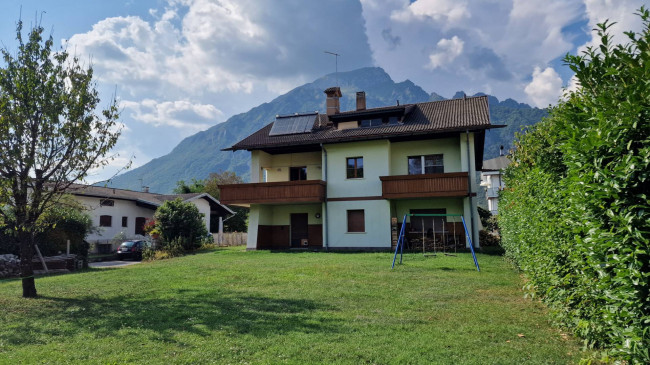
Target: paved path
(104,264)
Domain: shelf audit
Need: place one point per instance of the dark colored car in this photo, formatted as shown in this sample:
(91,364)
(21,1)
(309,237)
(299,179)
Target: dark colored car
(131,250)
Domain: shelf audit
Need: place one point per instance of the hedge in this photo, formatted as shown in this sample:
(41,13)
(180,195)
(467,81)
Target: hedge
(575,216)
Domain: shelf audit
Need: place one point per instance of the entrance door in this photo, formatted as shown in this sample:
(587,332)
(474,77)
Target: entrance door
(299,228)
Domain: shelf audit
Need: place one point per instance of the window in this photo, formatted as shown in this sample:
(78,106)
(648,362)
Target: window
(371,122)
(105,221)
(125,221)
(379,121)
(106,203)
(356,220)
(393,120)
(297,173)
(428,164)
(139,225)
(354,167)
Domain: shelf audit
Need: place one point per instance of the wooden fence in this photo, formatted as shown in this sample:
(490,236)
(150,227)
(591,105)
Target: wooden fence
(231,239)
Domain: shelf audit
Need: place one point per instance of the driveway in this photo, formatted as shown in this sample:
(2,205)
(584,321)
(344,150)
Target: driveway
(105,264)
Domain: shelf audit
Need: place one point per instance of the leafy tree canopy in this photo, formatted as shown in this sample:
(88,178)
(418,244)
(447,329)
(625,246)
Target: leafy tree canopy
(51,134)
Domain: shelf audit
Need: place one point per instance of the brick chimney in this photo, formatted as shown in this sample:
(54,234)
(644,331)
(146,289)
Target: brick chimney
(332,104)
(361,100)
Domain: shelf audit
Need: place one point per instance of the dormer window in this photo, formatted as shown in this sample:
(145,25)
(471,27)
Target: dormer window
(371,122)
(376,122)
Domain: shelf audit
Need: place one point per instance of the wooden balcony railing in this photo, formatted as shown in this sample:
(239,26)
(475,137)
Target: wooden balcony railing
(274,192)
(426,185)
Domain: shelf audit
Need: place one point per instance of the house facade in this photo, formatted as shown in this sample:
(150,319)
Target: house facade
(345,180)
(119,211)
(492,180)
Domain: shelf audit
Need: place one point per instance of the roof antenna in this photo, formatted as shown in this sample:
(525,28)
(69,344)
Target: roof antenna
(336,65)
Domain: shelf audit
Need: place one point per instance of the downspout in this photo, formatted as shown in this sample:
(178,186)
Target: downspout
(469,186)
(325,212)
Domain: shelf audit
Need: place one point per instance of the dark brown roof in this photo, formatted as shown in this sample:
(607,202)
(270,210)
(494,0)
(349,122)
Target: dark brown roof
(434,117)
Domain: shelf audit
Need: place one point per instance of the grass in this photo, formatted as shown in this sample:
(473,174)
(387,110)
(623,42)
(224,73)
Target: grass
(231,306)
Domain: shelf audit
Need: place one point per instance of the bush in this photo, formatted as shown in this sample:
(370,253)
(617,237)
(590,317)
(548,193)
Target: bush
(575,216)
(488,239)
(180,222)
(166,251)
(63,222)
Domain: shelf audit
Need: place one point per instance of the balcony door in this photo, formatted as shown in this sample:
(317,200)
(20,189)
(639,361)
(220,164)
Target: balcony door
(299,229)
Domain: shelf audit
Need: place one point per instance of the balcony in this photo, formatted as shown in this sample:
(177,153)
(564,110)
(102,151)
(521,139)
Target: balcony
(305,191)
(424,186)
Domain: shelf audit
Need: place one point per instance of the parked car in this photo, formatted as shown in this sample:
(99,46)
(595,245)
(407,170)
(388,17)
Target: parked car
(131,250)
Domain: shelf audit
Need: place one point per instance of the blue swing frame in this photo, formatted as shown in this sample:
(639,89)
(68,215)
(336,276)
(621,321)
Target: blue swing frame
(400,239)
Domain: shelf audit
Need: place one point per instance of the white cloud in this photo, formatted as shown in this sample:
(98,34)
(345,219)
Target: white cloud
(545,88)
(447,11)
(447,51)
(179,114)
(622,12)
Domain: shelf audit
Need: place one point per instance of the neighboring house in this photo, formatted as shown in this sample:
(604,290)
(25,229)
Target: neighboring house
(492,180)
(117,211)
(335,180)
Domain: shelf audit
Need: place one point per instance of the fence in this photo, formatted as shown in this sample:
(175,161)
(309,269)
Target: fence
(231,239)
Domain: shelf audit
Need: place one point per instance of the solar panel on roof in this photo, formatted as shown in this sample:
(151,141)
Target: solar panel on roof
(293,124)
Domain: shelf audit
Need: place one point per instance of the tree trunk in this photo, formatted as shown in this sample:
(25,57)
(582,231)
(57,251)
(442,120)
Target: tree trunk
(26,266)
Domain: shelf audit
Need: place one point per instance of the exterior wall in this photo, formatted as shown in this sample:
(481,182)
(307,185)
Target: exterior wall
(376,163)
(121,208)
(277,215)
(471,209)
(204,209)
(258,159)
(448,147)
(401,207)
(377,225)
(125,208)
(277,166)
(380,158)
(257,215)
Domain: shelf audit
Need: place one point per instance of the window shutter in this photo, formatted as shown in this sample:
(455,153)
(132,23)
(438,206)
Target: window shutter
(356,221)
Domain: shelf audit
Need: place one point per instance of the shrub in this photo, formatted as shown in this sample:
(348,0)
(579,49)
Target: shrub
(488,239)
(180,222)
(575,217)
(167,250)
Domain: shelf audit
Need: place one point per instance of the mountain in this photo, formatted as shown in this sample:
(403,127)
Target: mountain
(200,154)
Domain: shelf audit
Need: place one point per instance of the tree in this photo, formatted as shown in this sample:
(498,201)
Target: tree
(197,186)
(50,134)
(212,183)
(176,219)
(211,186)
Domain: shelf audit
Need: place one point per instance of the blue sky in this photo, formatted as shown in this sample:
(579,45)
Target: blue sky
(181,66)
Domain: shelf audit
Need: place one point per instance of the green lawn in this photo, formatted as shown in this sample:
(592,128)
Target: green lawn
(232,306)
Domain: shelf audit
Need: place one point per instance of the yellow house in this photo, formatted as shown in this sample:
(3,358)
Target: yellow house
(342,180)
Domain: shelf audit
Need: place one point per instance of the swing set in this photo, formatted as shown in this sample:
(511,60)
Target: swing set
(440,239)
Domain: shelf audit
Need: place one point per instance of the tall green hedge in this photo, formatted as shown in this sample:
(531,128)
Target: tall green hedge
(575,216)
